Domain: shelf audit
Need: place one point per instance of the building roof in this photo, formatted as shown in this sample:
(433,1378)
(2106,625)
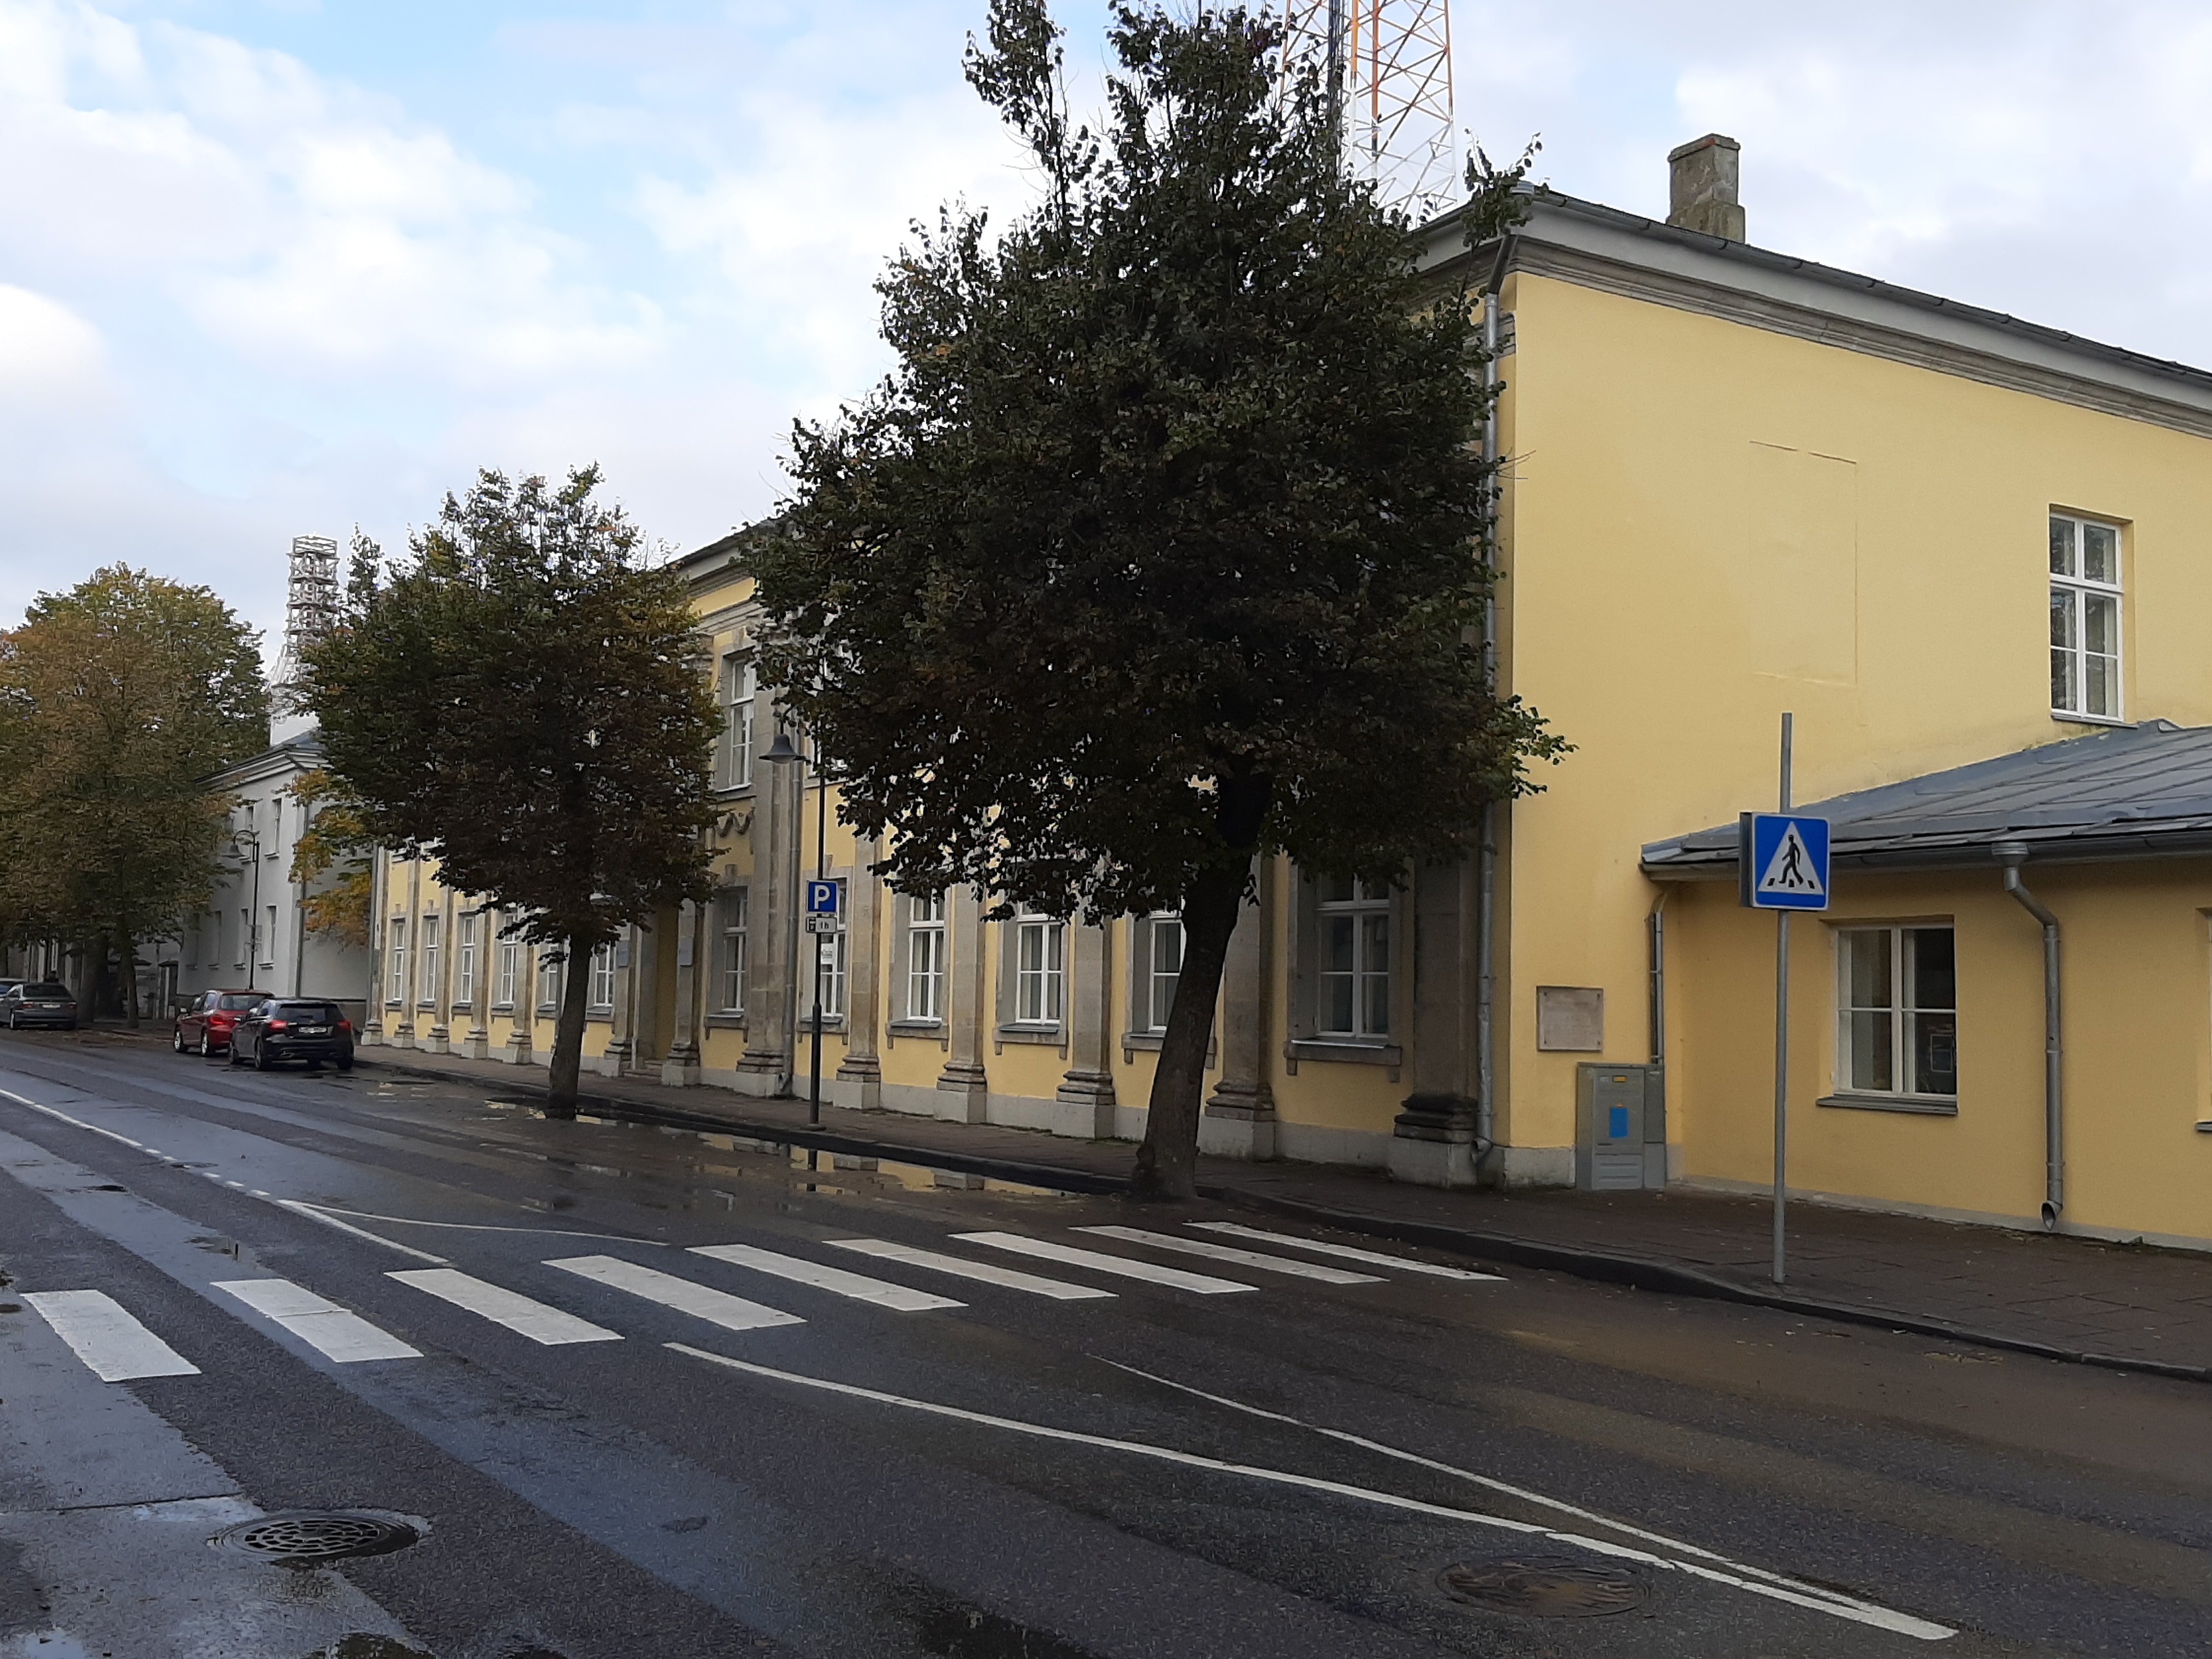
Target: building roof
(2133,791)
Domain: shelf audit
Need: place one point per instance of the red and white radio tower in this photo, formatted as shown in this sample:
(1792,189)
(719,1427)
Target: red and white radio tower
(1387,63)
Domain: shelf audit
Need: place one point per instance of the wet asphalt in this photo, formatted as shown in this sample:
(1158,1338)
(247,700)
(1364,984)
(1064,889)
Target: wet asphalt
(1297,1469)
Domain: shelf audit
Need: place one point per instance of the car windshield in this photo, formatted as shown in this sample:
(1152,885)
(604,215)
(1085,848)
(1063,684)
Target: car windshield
(237,1005)
(49,989)
(312,1012)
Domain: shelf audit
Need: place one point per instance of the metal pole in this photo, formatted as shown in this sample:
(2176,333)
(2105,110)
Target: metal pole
(821,873)
(1781,1042)
(253,931)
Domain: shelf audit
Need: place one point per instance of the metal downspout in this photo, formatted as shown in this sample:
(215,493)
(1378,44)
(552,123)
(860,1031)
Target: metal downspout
(1657,924)
(2012,855)
(1485,947)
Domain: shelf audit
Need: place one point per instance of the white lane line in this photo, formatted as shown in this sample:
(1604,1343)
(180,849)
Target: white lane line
(324,1326)
(989,1272)
(1100,1262)
(1274,1264)
(1404,1264)
(732,1313)
(315,1215)
(835,1280)
(1511,1491)
(114,1346)
(534,1319)
(1863,1613)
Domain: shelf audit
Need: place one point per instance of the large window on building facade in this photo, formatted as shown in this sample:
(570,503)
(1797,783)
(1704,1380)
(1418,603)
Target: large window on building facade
(600,993)
(395,990)
(737,687)
(433,946)
(833,966)
(1898,1009)
(737,939)
(924,957)
(510,968)
(464,959)
(1040,969)
(1159,966)
(2085,617)
(1352,988)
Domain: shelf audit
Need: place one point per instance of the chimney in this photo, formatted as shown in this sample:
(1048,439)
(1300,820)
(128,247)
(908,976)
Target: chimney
(1703,190)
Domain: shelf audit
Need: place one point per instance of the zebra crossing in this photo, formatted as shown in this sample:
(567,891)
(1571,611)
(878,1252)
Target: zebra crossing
(116,1346)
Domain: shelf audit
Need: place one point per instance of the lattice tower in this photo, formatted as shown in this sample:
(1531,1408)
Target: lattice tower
(311,604)
(1387,63)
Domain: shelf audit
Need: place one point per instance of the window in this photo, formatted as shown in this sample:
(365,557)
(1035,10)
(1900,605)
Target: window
(2085,617)
(1896,996)
(395,993)
(549,983)
(736,947)
(268,936)
(601,993)
(464,960)
(1353,986)
(925,958)
(431,940)
(510,970)
(1159,965)
(737,757)
(1040,969)
(832,967)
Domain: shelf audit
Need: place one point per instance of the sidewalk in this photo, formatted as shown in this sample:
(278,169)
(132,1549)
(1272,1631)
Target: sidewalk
(2120,1305)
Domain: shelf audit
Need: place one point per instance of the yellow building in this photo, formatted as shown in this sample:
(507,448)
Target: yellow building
(1738,484)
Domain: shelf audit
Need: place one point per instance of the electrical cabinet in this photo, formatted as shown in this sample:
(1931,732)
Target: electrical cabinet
(1621,1127)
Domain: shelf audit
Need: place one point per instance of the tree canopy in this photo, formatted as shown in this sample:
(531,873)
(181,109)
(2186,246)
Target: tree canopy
(522,700)
(1162,544)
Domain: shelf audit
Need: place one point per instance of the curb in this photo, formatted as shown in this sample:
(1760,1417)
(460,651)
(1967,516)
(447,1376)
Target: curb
(1640,1273)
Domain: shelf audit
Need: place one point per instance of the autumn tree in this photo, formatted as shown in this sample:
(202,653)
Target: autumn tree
(521,699)
(330,860)
(1162,546)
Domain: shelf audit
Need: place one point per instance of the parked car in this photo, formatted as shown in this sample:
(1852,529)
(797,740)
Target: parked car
(280,1030)
(204,1026)
(42,1002)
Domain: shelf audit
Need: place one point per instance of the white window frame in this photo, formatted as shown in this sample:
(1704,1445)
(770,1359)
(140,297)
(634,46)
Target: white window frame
(926,932)
(1039,963)
(509,970)
(1904,1010)
(244,935)
(552,985)
(599,993)
(739,683)
(268,936)
(429,944)
(1369,961)
(395,957)
(1156,990)
(833,965)
(736,948)
(465,928)
(2075,593)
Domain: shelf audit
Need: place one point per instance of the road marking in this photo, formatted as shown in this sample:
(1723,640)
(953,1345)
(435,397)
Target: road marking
(114,1346)
(1101,1262)
(332,1332)
(731,1312)
(534,1319)
(1536,1498)
(1274,1264)
(482,1227)
(989,1272)
(836,1280)
(1404,1264)
(1818,1600)
(314,1214)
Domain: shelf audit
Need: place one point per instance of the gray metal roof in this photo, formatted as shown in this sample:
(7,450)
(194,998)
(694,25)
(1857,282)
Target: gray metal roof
(2133,791)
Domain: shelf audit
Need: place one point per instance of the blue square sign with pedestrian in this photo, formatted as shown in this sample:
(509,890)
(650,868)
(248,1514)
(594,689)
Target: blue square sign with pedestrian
(1781,861)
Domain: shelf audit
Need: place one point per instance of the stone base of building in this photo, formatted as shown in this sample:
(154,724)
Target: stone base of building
(1239,1132)
(476,1045)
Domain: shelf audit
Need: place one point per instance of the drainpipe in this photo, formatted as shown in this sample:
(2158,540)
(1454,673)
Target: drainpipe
(1657,924)
(1485,947)
(2012,855)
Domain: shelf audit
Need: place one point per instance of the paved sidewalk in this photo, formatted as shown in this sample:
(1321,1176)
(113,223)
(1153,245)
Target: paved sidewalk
(2121,1306)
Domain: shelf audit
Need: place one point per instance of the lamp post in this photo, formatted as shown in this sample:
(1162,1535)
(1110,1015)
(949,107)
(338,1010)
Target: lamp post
(249,842)
(781,753)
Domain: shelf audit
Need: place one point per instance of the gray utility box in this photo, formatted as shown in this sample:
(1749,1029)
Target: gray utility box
(1621,1127)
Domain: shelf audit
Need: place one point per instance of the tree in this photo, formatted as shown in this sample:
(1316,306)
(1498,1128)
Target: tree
(1163,544)
(522,700)
(118,700)
(330,860)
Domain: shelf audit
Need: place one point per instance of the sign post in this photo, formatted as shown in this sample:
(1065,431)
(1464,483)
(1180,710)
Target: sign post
(1782,866)
(822,920)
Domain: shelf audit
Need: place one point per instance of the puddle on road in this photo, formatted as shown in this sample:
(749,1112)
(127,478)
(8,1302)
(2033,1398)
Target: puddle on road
(970,1633)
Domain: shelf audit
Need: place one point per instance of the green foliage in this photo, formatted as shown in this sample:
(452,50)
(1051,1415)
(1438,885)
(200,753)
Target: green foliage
(523,701)
(330,860)
(118,700)
(1163,543)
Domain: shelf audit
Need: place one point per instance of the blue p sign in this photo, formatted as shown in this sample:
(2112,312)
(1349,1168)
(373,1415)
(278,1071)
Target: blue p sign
(821,898)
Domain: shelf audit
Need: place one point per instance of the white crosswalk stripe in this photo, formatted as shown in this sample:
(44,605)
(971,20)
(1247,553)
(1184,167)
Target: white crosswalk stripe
(324,1326)
(1274,1264)
(534,1319)
(114,1346)
(836,1280)
(717,1307)
(987,1273)
(1404,1264)
(1098,1261)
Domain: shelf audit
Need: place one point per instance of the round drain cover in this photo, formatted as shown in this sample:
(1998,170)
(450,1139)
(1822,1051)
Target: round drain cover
(1542,1587)
(308,1536)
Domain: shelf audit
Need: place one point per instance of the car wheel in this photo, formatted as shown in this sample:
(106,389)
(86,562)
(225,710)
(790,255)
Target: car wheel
(177,1039)
(207,1046)
(314,1065)
(235,1058)
(261,1057)
(346,1065)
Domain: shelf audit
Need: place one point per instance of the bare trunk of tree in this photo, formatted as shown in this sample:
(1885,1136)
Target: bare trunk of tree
(569,1033)
(1167,1162)
(129,942)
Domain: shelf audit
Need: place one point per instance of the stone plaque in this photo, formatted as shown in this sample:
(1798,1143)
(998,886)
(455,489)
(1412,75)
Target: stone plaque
(1570,1017)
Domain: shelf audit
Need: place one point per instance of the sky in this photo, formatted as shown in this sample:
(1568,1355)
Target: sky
(269,267)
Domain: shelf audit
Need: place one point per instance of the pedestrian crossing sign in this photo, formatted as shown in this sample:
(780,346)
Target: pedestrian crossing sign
(1781,861)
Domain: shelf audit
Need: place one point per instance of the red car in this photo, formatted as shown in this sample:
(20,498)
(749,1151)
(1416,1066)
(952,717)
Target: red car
(204,1027)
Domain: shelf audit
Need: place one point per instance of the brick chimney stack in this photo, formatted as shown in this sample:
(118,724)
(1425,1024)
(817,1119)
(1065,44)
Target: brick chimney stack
(1703,193)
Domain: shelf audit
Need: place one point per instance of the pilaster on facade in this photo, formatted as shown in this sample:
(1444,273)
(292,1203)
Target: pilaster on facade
(439,1039)
(372,1023)
(1238,1119)
(964,1086)
(1433,1140)
(476,1043)
(773,905)
(681,1067)
(861,1066)
(622,1018)
(521,1013)
(1088,1084)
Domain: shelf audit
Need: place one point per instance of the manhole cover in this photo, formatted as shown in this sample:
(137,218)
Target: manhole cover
(1536,1587)
(311,1535)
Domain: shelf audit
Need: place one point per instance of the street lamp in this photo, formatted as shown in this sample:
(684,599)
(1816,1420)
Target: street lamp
(243,841)
(781,753)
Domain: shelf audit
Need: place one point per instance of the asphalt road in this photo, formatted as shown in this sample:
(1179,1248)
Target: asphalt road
(446,1310)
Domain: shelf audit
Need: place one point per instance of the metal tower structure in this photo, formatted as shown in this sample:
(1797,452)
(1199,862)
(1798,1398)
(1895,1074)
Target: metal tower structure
(1387,66)
(311,605)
